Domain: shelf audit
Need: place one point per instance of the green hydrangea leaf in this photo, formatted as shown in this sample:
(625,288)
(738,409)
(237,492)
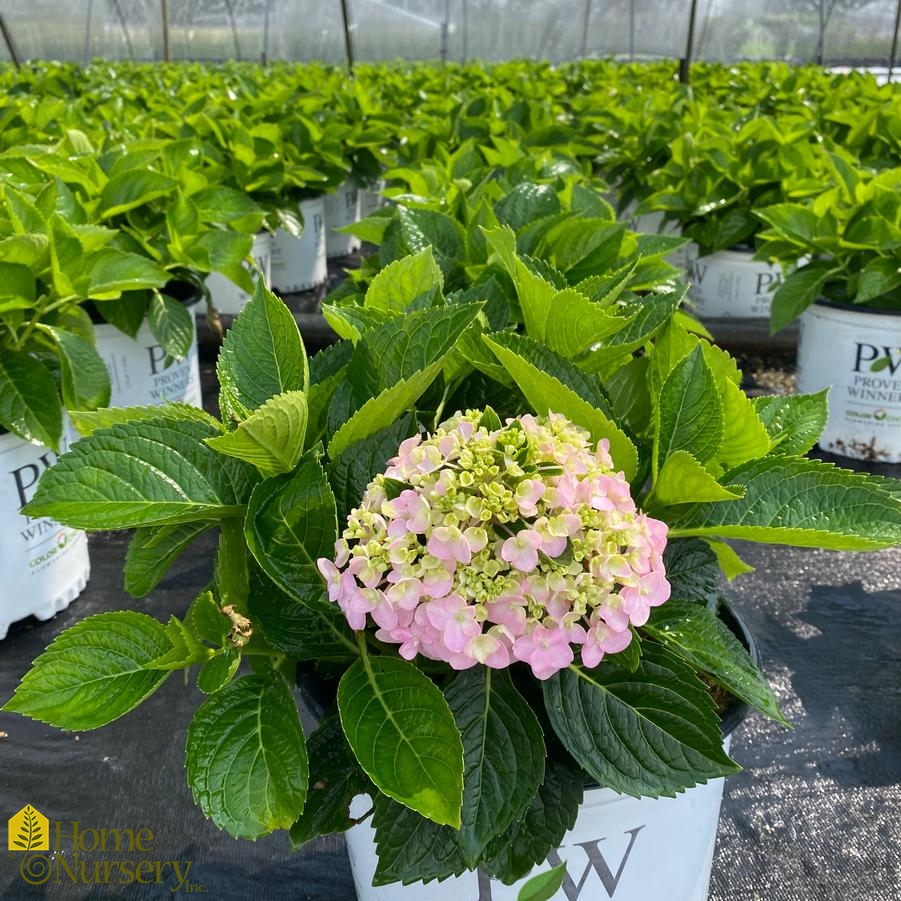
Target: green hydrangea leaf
(246,757)
(402,732)
(807,503)
(94,672)
(650,733)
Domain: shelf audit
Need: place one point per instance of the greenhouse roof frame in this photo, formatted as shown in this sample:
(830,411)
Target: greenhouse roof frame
(834,32)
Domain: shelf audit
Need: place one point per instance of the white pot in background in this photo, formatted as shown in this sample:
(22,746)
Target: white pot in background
(341,208)
(137,367)
(732,284)
(45,565)
(371,198)
(299,264)
(650,223)
(620,847)
(227,296)
(856,352)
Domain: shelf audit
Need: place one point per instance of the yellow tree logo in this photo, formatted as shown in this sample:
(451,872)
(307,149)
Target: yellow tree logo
(29,830)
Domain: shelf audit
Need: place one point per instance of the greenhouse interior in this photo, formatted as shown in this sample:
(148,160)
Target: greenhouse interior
(451,450)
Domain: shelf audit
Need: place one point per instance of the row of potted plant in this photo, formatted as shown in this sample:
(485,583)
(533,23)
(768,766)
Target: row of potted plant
(492,516)
(229,166)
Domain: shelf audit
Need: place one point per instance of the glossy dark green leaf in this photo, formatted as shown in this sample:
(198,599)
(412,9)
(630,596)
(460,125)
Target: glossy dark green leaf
(311,631)
(30,404)
(219,671)
(794,421)
(650,733)
(798,291)
(702,639)
(262,356)
(152,550)
(411,848)
(246,757)
(291,522)
(399,350)
(402,732)
(552,384)
(352,470)
(503,755)
(689,412)
(144,472)
(692,571)
(335,780)
(806,503)
(550,815)
(84,379)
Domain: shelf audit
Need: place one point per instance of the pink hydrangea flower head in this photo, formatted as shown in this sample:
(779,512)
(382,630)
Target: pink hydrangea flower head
(520,544)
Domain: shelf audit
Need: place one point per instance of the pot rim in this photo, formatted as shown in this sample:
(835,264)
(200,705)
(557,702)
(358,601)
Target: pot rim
(196,296)
(852,307)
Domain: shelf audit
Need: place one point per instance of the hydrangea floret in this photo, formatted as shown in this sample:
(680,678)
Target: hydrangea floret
(496,545)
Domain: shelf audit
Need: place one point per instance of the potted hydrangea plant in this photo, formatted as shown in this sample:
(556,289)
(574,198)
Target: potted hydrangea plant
(717,176)
(494,574)
(847,295)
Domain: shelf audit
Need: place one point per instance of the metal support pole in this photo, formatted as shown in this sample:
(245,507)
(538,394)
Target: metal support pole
(10,43)
(587,19)
(821,39)
(893,55)
(88,23)
(124,24)
(266,12)
(685,62)
(234,26)
(348,42)
(445,30)
(631,30)
(164,10)
(465,27)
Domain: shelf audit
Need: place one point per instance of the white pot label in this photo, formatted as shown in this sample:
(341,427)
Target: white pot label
(371,199)
(299,264)
(44,565)
(138,371)
(227,296)
(858,356)
(341,208)
(730,284)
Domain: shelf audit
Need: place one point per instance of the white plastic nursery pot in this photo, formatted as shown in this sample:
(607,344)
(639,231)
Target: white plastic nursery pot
(371,198)
(341,208)
(299,264)
(731,284)
(620,847)
(856,352)
(629,849)
(137,367)
(227,296)
(45,565)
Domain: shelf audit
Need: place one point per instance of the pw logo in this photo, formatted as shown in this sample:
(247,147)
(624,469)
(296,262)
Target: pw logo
(29,830)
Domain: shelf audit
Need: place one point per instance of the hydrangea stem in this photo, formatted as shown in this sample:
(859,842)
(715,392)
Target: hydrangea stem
(231,565)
